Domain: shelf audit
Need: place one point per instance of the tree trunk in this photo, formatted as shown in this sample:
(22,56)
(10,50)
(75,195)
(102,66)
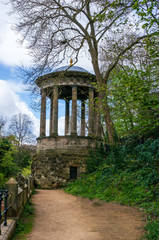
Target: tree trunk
(103,105)
(107,118)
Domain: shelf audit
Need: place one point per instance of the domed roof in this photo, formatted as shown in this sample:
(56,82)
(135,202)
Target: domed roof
(72,68)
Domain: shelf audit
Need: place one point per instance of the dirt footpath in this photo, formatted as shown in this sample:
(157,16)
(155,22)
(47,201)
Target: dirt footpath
(60,216)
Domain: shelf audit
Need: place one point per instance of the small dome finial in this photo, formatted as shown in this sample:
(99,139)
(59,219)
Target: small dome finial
(71,62)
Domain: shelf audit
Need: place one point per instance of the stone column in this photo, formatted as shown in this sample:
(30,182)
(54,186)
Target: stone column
(55,112)
(43,114)
(51,110)
(74,112)
(12,187)
(67,117)
(82,118)
(91,112)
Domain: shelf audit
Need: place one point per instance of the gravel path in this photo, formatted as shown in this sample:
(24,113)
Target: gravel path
(60,216)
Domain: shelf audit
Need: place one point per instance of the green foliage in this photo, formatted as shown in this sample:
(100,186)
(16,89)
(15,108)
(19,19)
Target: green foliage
(129,175)
(133,100)
(95,159)
(2,180)
(147,10)
(13,160)
(22,157)
(153,229)
(28,209)
(8,167)
(24,226)
(27,171)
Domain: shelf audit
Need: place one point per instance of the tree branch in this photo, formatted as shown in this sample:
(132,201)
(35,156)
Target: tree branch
(113,65)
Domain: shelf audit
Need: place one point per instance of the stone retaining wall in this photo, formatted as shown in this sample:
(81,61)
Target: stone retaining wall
(57,155)
(52,167)
(19,192)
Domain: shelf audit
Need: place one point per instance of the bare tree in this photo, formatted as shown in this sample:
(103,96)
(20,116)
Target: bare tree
(56,29)
(21,127)
(2,124)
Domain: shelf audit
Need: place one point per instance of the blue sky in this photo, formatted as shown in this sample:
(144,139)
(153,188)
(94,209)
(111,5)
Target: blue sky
(13,98)
(6,72)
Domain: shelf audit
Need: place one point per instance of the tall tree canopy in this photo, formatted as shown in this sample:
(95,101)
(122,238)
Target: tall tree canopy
(56,29)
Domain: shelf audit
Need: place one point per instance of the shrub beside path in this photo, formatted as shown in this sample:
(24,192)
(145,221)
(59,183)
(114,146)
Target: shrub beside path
(60,216)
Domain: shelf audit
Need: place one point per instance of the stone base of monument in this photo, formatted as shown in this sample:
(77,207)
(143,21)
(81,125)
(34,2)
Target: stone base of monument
(61,159)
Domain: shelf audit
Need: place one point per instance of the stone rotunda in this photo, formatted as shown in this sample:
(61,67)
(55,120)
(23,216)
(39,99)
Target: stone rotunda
(62,158)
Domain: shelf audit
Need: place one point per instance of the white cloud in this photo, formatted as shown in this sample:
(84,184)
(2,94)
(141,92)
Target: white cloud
(11,103)
(11,52)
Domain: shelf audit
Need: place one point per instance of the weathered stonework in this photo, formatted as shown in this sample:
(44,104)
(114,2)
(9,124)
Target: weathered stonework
(53,167)
(55,156)
(62,158)
(66,142)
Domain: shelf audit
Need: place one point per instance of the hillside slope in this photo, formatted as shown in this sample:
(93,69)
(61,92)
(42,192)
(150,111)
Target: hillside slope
(128,174)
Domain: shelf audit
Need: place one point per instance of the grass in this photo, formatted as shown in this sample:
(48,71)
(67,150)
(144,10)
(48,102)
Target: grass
(128,175)
(24,226)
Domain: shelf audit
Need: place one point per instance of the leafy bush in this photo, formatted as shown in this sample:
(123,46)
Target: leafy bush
(27,171)
(127,174)
(22,157)
(8,167)
(13,160)
(96,159)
